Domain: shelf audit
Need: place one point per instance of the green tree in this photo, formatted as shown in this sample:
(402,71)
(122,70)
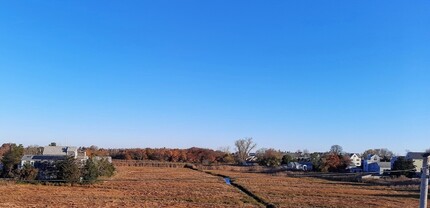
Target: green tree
(68,170)
(287,159)
(11,160)
(316,160)
(90,172)
(403,166)
(105,168)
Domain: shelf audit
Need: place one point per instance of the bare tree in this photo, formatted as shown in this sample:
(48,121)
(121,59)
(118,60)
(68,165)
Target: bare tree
(224,149)
(243,148)
(337,149)
(384,153)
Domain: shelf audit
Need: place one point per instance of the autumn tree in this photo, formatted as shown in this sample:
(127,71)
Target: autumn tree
(5,148)
(28,172)
(243,148)
(334,160)
(33,150)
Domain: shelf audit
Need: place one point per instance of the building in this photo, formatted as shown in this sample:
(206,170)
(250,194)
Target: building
(379,167)
(373,164)
(53,154)
(355,160)
(417,158)
(303,166)
(61,150)
(36,160)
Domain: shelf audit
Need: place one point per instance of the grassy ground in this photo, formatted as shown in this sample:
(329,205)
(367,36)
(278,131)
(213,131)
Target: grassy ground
(132,187)
(291,192)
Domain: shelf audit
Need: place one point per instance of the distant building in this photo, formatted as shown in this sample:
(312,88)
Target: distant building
(373,164)
(52,154)
(417,158)
(61,150)
(303,166)
(355,160)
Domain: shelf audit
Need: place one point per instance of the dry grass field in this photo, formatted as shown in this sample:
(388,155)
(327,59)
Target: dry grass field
(132,187)
(284,191)
(180,187)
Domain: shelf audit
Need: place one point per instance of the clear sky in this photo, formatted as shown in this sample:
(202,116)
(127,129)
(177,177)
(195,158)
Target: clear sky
(291,74)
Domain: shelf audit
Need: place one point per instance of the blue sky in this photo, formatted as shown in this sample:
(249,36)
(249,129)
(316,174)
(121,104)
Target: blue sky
(291,74)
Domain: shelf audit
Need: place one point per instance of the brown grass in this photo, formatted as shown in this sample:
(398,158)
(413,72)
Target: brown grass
(132,187)
(284,191)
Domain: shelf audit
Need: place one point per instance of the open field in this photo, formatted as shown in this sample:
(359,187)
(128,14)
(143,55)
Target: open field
(132,187)
(180,187)
(284,191)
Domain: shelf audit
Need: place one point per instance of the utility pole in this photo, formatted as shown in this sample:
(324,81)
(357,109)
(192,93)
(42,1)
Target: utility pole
(424,181)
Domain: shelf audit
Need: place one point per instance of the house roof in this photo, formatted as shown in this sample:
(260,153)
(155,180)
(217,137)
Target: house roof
(369,157)
(415,155)
(43,157)
(58,150)
(48,157)
(384,164)
(352,154)
(27,157)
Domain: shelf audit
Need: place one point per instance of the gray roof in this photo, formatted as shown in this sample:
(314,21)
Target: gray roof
(384,164)
(27,157)
(43,157)
(58,150)
(415,155)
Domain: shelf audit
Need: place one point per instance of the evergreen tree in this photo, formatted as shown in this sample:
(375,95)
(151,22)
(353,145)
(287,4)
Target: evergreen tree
(90,172)
(11,160)
(68,170)
(403,166)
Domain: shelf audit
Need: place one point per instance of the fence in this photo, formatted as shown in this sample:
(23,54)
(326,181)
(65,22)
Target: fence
(144,163)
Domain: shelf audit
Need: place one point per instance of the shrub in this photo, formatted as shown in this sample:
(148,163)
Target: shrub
(28,173)
(105,168)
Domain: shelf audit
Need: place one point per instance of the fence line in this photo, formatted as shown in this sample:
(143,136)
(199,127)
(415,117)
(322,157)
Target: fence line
(143,163)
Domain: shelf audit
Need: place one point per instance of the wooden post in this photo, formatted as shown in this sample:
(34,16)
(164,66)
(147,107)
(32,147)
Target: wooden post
(424,181)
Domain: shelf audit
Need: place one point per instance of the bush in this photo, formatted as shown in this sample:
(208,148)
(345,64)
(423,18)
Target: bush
(269,157)
(28,173)
(105,168)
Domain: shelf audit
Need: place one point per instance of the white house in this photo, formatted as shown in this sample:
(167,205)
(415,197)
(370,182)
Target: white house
(54,153)
(355,160)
